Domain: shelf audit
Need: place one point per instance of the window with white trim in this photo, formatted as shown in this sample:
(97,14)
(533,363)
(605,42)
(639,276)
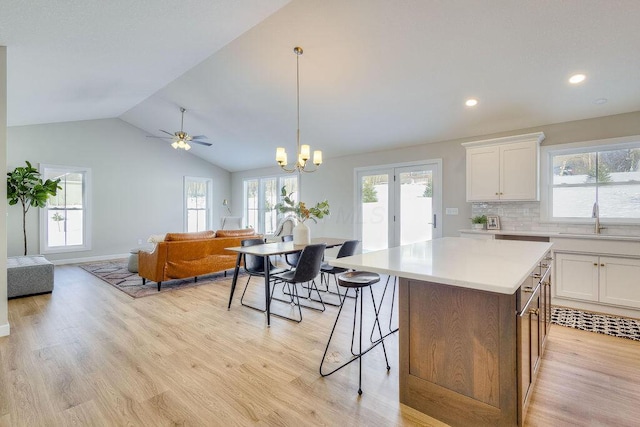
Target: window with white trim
(64,222)
(260,198)
(607,174)
(197,203)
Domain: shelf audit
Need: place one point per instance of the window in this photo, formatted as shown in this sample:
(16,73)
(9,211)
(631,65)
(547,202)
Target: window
(197,203)
(260,198)
(64,222)
(579,176)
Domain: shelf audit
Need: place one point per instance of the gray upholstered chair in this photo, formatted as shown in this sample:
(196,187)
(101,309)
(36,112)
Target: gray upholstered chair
(284,227)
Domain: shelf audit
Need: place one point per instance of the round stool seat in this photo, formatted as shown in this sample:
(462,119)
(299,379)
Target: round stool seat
(358,279)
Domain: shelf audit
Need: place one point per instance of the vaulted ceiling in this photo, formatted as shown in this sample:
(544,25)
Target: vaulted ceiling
(375,74)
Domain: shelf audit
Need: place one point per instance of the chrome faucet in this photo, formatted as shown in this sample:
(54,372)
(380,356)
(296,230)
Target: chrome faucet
(596,214)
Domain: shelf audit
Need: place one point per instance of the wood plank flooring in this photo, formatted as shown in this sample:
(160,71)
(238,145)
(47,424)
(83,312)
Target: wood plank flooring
(90,355)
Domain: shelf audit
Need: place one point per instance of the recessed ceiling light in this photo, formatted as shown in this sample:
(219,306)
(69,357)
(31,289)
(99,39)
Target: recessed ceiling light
(577,78)
(600,101)
(471,102)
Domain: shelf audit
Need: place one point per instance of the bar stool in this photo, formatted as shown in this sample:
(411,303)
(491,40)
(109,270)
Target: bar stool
(357,280)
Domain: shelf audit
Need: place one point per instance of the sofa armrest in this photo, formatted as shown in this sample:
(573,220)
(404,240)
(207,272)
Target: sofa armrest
(151,264)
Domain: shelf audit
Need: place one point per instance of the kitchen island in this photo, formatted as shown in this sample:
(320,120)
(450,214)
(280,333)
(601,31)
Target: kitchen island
(473,317)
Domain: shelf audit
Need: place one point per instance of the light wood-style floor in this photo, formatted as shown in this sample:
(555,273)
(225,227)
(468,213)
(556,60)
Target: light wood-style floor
(90,355)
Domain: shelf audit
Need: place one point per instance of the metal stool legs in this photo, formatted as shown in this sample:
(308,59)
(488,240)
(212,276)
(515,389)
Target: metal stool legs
(393,300)
(359,297)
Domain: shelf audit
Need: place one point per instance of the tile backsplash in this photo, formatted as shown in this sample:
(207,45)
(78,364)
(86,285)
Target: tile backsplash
(525,216)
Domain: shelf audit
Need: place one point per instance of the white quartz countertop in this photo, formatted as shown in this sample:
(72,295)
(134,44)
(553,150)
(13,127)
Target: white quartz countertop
(555,234)
(498,266)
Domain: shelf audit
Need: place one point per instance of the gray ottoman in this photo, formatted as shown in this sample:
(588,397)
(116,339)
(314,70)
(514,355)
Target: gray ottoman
(133,261)
(28,275)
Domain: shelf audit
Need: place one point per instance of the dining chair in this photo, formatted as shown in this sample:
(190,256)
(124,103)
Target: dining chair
(254,266)
(291,259)
(306,271)
(348,248)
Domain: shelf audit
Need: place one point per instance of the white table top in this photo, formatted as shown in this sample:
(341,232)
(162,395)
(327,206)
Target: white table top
(490,265)
(279,248)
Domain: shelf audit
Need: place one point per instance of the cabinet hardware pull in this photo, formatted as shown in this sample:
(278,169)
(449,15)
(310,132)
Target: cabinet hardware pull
(496,194)
(548,258)
(534,311)
(595,263)
(536,275)
(601,265)
(528,289)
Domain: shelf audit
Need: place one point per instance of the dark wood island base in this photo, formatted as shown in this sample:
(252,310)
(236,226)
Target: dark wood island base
(469,357)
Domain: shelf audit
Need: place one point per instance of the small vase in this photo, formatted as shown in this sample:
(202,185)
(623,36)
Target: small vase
(477,226)
(301,234)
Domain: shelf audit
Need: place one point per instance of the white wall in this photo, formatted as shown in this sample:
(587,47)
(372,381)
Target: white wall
(4,314)
(137,182)
(335,178)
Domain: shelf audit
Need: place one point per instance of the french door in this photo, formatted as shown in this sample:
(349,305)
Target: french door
(399,204)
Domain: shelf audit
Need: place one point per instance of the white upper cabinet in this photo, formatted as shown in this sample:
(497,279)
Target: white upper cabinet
(504,168)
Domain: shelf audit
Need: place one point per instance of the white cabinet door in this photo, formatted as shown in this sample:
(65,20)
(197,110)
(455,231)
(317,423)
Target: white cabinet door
(519,171)
(620,281)
(483,173)
(576,276)
(504,168)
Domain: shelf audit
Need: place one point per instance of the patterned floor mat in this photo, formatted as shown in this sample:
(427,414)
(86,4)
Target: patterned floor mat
(622,327)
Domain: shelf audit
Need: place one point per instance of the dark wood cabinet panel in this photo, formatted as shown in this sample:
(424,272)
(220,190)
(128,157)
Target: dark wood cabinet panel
(470,357)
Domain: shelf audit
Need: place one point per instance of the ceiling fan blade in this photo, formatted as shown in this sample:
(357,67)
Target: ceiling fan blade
(208,144)
(199,137)
(168,133)
(161,137)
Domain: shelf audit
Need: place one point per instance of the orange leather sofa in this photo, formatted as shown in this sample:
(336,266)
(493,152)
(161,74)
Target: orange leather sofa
(183,255)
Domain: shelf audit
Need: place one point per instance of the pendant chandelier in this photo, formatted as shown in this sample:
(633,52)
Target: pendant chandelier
(303,151)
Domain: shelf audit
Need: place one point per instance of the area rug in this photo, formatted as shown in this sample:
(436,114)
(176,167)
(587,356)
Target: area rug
(622,327)
(115,273)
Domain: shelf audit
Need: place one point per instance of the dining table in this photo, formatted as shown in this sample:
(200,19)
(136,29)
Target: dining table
(272,249)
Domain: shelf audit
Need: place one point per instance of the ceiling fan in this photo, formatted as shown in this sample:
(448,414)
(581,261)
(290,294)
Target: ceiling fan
(181,138)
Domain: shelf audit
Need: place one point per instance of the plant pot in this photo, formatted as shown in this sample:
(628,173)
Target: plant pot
(477,226)
(301,234)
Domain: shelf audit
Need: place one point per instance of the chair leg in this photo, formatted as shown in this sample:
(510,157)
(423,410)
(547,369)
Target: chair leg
(144,281)
(242,297)
(159,285)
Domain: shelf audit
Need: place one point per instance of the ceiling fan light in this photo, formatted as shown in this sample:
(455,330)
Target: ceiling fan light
(174,145)
(187,147)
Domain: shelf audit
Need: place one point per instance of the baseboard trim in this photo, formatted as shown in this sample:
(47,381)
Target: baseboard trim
(89,259)
(4,330)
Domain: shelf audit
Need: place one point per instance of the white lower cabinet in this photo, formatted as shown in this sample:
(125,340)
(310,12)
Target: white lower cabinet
(603,279)
(620,281)
(577,276)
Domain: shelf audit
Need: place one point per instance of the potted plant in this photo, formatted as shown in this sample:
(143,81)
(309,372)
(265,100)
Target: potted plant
(301,233)
(24,185)
(478,222)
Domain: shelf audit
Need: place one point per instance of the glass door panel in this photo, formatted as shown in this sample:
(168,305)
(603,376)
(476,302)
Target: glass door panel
(374,210)
(415,187)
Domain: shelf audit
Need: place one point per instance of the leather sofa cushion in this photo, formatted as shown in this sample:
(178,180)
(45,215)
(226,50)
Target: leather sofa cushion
(175,237)
(236,233)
